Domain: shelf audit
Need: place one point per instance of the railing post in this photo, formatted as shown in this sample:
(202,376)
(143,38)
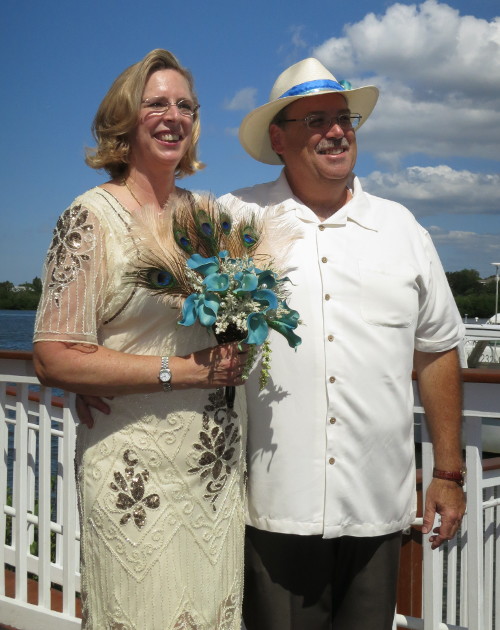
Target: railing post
(489,563)
(44,497)
(433,560)
(69,506)
(20,499)
(4,451)
(474,489)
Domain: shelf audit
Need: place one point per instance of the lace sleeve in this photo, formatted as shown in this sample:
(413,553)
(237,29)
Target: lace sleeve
(74,279)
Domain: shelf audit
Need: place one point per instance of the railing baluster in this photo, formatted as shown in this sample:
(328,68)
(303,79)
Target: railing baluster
(464,585)
(4,450)
(69,507)
(31,471)
(489,544)
(44,498)
(20,499)
(452,580)
(433,586)
(497,563)
(474,522)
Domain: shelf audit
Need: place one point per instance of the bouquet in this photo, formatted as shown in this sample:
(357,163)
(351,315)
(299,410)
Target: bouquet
(195,250)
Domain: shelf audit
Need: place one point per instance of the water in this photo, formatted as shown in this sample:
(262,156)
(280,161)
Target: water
(16,333)
(16,330)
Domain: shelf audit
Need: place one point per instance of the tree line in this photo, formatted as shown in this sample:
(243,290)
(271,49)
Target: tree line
(474,297)
(24,297)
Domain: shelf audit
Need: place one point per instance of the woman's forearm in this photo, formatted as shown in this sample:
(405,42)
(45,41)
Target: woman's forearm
(100,371)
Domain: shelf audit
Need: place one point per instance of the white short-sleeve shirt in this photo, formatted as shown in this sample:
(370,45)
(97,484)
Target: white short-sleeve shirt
(331,448)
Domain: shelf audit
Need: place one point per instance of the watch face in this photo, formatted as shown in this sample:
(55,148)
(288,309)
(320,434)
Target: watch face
(165,376)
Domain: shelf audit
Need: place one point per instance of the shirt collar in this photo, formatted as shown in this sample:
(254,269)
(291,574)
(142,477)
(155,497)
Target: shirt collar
(358,209)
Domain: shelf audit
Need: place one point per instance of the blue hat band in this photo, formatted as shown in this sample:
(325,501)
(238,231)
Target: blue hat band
(313,86)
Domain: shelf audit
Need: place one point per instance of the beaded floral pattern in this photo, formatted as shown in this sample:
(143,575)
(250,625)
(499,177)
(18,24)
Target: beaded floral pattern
(225,617)
(185,622)
(217,453)
(130,487)
(72,242)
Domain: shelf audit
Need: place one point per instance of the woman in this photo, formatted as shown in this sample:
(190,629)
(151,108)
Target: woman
(160,478)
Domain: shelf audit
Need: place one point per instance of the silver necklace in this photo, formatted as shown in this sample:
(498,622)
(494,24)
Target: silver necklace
(132,193)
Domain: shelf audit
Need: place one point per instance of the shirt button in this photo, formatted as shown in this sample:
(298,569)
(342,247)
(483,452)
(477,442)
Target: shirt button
(332,379)
(331,460)
(330,337)
(327,297)
(333,420)
(321,228)
(324,259)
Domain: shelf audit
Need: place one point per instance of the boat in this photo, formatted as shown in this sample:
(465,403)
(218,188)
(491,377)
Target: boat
(454,588)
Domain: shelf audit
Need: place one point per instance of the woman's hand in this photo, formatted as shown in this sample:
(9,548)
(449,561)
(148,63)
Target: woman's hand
(84,405)
(212,367)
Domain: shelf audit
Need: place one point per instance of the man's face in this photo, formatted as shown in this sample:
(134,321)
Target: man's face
(316,155)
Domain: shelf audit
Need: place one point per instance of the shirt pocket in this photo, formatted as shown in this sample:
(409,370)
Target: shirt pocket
(388,294)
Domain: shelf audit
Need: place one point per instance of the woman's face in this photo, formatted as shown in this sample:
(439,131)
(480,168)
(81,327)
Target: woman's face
(161,138)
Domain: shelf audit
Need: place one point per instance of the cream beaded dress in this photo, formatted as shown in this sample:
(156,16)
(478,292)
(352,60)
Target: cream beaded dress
(160,480)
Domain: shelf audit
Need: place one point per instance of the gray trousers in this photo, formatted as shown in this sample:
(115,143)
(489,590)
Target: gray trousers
(311,583)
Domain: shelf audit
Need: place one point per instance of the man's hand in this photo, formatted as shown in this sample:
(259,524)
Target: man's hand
(83,406)
(447,499)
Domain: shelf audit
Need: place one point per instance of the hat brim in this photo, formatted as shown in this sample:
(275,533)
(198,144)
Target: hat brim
(254,129)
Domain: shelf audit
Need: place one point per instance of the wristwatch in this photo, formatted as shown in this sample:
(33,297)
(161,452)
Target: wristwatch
(165,375)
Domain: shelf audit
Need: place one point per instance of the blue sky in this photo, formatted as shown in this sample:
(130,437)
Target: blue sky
(432,143)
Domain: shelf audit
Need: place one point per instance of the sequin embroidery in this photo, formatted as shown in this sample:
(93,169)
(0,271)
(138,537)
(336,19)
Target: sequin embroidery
(72,242)
(130,488)
(216,444)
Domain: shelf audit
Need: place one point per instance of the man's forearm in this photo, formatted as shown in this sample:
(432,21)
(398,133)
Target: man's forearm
(440,386)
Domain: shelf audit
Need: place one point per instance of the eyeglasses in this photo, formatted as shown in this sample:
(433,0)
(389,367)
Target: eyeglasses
(323,121)
(159,106)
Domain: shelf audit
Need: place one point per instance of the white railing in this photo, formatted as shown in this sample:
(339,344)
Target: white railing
(482,345)
(38,499)
(461,583)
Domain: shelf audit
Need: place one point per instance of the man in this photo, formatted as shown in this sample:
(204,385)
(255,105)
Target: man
(331,456)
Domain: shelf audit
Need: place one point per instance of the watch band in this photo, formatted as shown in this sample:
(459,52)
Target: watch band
(165,376)
(458,476)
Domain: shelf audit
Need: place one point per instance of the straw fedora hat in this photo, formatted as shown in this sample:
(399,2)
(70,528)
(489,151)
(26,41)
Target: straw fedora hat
(306,78)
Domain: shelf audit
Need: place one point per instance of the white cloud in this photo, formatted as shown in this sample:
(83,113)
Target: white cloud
(297,39)
(244,99)
(429,45)
(440,189)
(466,250)
(438,76)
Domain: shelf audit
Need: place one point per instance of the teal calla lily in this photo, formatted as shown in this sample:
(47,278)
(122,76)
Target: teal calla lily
(287,332)
(248,282)
(268,278)
(204,266)
(291,318)
(258,329)
(208,308)
(217,282)
(266,296)
(200,306)
(190,310)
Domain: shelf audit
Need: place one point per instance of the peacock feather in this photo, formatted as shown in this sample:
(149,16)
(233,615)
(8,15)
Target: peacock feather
(164,241)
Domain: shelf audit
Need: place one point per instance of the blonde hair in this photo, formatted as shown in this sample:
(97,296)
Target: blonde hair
(118,114)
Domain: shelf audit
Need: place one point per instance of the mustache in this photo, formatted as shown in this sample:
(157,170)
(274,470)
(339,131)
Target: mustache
(332,143)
